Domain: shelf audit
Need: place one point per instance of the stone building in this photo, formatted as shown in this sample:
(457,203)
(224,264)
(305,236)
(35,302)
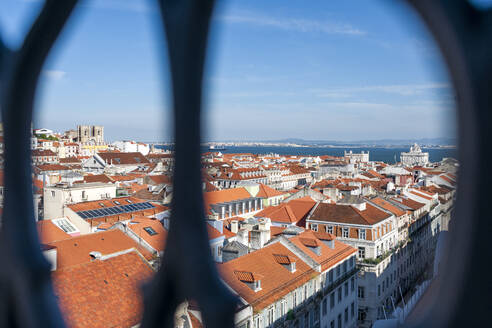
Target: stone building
(414,157)
(86,133)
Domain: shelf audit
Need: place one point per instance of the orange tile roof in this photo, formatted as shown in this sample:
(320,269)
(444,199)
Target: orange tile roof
(276,280)
(224,196)
(348,214)
(49,232)
(388,206)
(328,256)
(118,158)
(75,250)
(267,192)
(102,293)
(157,241)
(280,213)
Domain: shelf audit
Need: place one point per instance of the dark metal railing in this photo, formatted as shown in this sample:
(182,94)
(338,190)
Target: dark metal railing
(464,35)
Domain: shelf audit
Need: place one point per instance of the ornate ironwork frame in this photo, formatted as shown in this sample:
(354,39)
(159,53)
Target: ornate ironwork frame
(464,35)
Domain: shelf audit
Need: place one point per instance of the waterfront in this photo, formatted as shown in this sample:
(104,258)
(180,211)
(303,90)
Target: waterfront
(384,154)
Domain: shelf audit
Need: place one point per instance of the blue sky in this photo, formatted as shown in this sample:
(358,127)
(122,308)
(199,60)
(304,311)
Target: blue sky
(330,70)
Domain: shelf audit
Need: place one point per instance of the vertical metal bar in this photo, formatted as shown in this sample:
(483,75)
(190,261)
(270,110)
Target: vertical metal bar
(25,275)
(188,271)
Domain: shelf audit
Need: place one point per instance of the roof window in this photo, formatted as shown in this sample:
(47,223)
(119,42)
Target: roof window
(150,231)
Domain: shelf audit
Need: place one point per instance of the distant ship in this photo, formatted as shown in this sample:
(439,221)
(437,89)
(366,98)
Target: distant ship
(213,147)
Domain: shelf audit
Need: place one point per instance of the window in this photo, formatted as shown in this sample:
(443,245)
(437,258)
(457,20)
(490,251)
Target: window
(361,292)
(325,307)
(352,310)
(150,231)
(102,205)
(362,233)
(52,193)
(362,252)
(339,321)
(129,201)
(339,294)
(329,229)
(117,202)
(345,233)
(344,266)
(314,226)
(346,315)
(338,271)
(352,284)
(379,290)
(295,298)
(330,276)
(332,324)
(270,316)
(346,288)
(332,300)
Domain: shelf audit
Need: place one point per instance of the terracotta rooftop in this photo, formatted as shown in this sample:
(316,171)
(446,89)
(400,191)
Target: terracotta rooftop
(348,214)
(102,293)
(388,206)
(276,279)
(328,256)
(49,232)
(75,250)
(267,192)
(156,237)
(117,158)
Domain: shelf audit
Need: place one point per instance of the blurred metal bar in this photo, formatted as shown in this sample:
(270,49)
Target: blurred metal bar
(26,294)
(464,35)
(188,271)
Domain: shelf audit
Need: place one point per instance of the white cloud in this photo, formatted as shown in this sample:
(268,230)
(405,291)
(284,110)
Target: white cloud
(293,24)
(54,74)
(398,89)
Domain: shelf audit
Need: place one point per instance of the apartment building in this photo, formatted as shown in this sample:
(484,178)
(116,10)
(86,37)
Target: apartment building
(296,281)
(57,197)
(372,230)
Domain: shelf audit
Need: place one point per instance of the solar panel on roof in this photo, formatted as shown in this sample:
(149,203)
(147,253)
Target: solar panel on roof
(105,211)
(151,205)
(98,212)
(112,210)
(82,214)
(117,210)
(90,214)
(126,208)
(147,205)
(133,207)
(140,206)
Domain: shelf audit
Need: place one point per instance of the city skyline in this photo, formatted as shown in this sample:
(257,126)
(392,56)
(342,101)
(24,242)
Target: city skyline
(273,72)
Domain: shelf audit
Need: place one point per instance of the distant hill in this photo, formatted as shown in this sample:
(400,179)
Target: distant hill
(380,142)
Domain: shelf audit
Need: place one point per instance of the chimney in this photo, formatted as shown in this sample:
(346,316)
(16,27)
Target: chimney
(242,236)
(234,226)
(331,243)
(50,253)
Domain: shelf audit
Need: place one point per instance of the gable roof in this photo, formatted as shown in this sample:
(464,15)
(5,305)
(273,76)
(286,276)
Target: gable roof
(328,257)
(267,192)
(348,214)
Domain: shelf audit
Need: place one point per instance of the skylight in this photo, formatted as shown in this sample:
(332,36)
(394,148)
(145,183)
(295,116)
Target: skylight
(150,231)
